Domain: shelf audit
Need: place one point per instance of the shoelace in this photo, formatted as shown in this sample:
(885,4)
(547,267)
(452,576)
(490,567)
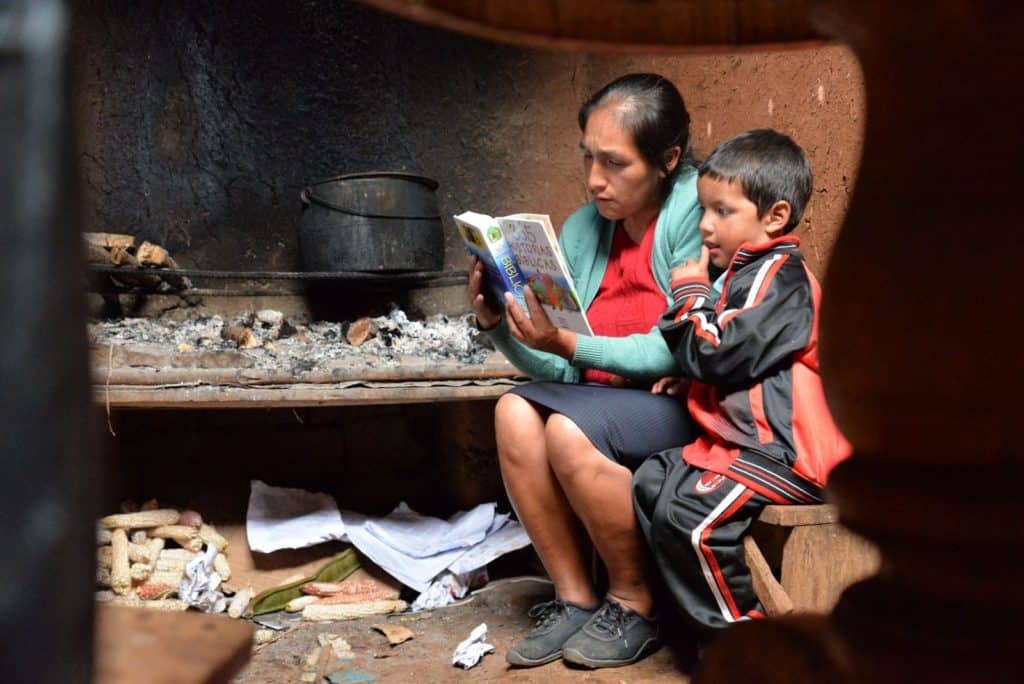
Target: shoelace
(610,619)
(547,613)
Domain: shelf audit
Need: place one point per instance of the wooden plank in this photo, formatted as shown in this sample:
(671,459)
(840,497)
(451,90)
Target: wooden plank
(140,645)
(768,589)
(791,516)
(820,561)
(298,395)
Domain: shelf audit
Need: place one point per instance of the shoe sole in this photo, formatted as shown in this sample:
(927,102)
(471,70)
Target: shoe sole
(519,661)
(571,655)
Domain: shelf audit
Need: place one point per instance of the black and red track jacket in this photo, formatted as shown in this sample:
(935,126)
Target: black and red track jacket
(753,359)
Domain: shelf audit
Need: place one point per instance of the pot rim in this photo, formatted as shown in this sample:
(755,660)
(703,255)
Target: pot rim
(401,175)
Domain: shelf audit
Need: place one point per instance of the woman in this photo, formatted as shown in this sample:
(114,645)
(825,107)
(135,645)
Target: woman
(568,444)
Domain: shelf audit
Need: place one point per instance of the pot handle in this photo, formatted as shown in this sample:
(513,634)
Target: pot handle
(309,198)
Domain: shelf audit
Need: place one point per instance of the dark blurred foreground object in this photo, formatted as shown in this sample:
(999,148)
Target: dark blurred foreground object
(47,492)
(921,319)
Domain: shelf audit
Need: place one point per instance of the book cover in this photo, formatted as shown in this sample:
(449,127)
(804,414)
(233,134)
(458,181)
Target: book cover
(484,239)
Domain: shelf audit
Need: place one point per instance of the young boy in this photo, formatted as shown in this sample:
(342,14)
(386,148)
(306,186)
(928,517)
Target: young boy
(766,434)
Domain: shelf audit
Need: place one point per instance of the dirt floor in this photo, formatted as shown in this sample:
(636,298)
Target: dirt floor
(426,658)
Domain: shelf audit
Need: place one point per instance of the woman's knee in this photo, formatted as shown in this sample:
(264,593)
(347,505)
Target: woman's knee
(519,430)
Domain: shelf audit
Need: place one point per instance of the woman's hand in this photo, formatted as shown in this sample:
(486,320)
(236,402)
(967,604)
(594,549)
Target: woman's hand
(672,386)
(692,268)
(536,331)
(486,317)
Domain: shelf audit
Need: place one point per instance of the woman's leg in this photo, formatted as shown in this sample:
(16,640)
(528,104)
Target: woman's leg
(538,499)
(600,492)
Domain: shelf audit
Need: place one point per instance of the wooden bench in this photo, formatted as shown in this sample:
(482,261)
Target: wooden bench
(802,559)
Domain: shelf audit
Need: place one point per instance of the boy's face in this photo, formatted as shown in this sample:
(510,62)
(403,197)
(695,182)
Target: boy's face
(730,219)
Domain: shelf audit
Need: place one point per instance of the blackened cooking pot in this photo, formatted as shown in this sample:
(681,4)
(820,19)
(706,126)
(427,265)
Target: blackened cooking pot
(371,222)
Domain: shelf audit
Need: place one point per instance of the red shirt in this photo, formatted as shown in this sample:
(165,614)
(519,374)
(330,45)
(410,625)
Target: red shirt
(628,300)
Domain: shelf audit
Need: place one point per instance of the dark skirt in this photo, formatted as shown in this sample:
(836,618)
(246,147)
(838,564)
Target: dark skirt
(626,425)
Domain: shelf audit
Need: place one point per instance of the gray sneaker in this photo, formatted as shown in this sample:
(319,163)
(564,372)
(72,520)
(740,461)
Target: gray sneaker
(556,622)
(613,636)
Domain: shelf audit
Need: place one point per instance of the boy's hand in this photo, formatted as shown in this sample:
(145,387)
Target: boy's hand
(672,386)
(692,268)
(536,331)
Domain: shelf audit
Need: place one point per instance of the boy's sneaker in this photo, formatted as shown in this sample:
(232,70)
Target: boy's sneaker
(613,636)
(556,622)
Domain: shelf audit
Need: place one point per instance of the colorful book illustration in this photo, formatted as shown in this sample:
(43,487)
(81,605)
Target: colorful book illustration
(520,250)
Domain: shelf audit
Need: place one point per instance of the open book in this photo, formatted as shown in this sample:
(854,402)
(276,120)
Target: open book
(520,250)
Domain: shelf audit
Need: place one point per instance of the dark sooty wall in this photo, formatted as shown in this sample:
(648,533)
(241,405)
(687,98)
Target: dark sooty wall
(200,122)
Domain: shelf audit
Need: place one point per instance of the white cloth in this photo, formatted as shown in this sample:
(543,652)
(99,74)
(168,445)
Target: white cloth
(285,518)
(414,549)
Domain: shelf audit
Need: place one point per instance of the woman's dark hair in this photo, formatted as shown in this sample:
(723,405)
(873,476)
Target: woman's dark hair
(652,110)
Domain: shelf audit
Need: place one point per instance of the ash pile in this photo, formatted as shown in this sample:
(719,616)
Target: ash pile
(274,342)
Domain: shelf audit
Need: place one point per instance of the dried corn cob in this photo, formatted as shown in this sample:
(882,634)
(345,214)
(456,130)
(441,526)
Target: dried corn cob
(103,576)
(240,602)
(157,518)
(150,590)
(210,535)
(139,537)
(220,565)
(184,535)
(102,535)
(120,571)
(351,611)
(297,604)
(170,577)
(160,604)
(140,572)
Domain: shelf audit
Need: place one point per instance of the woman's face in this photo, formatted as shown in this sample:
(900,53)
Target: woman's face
(622,182)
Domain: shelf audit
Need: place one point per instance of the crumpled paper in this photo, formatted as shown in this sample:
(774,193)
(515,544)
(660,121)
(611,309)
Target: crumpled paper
(199,586)
(469,652)
(448,587)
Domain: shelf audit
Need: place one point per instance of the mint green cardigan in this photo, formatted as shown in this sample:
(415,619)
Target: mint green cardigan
(586,241)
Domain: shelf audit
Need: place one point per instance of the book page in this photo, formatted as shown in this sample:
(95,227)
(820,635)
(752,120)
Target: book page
(536,251)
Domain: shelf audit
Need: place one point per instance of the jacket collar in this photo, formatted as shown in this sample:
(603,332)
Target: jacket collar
(748,253)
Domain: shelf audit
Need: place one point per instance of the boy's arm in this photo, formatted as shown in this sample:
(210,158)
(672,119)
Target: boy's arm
(759,331)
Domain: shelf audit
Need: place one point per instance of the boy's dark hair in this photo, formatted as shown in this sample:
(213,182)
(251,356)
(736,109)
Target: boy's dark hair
(769,167)
(652,110)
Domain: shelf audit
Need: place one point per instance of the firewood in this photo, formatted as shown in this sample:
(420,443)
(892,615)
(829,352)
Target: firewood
(109,240)
(149,254)
(360,331)
(240,335)
(120,256)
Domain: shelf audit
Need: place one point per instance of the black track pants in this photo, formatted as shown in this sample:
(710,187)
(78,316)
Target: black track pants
(694,521)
